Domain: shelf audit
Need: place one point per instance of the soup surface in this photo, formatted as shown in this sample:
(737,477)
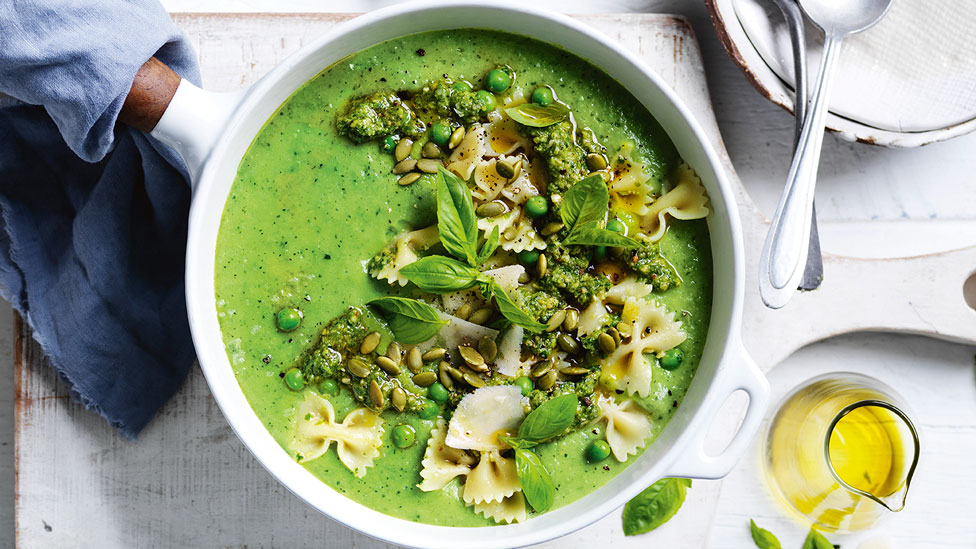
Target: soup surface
(310,208)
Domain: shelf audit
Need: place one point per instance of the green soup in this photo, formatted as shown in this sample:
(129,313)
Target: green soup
(308,208)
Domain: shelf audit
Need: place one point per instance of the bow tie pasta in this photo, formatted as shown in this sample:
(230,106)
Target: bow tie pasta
(358,438)
(442,463)
(652,329)
(628,426)
(401,252)
(687,200)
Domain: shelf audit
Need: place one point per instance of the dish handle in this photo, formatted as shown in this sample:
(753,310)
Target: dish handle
(739,374)
(181,115)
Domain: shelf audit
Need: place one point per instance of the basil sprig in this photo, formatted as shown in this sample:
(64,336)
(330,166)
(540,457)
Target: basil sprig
(654,506)
(537,116)
(412,321)
(537,486)
(583,210)
(550,419)
(456,222)
(816,540)
(764,539)
(511,311)
(437,274)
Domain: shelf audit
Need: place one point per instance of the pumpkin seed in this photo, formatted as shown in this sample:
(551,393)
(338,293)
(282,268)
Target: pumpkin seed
(547,381)
(510,233)
(490,209)
(403,149)
(540,369)
(488,348)
(505,169)
(456,374)
(436,353)
(523,277)
(542,265)
(408,179)
(463,312)
(615,335)
(596,162)
(572,319)
(445,375)
(388,365)
(516,169)
(566,343)
(606,343)
(626,329)
(357,367)
(369,343)
(605,176)
(425,379)
(556,319)
(575,371)
(456,138)
(473,358)
(552,228)
(481,315)
(404,166)
(399,398)
(414,360)
(376,394)
(428,165)
(430,150)
(393,352)
(474,381)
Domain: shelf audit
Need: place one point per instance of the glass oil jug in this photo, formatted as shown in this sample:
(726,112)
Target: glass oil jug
(840,452)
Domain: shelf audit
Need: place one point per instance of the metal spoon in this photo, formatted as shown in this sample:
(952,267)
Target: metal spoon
(785,251)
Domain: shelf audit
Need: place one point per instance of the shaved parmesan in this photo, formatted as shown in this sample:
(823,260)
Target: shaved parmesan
(510,352)
(484,415)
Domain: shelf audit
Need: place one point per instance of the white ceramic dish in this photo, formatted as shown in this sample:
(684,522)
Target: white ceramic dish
(212,131)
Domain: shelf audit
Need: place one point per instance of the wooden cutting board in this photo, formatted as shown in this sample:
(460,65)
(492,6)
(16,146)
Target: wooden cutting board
(190,482)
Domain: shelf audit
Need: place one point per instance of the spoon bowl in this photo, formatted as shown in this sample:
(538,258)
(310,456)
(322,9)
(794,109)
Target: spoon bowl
(845,16)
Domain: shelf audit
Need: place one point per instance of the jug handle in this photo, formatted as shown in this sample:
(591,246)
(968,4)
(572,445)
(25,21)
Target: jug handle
(738,372)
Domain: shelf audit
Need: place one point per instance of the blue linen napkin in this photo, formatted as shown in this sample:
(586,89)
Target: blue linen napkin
(93,216)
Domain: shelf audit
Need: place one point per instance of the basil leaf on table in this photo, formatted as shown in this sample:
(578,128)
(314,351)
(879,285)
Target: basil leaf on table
(816,540)
(592,235)
(511,311)
(549,420)
(489,247)
(439,275)
(412,321)
(654,506)
(537,485)
(456,222)
(537,116)
(764,539)
(585,202)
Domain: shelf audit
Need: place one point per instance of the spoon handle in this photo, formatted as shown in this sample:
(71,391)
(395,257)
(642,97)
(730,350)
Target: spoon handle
(785,250)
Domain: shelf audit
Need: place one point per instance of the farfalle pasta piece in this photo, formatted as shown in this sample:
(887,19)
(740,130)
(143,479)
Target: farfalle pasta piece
(494,479)
(628,287)
(442,463)
(629,188)
(653,329)
(628,426)
(593,317)
(687,200)
(516,232)
(402,252)
(358,438)
(509,510)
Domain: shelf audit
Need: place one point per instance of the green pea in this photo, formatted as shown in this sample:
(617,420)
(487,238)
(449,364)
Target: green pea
(440,133)
(462,86)
(498,80)
(528,258)
(525,384)
(672,359)
(404,436)
(438,392)
(542,97)
(294,379)
(289,319)
(388,144)
(486,100)
(537,206)
(329,387)
(599,254)
(597,451)
(430,409)
(616,226)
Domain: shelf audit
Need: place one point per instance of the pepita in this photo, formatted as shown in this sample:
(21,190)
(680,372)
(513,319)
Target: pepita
(615,335)
(376,394)
(399,398)
(474,381)
(369,343)
(357,367)
(566,343)
(455,374)
(428,165)
(414,360)
(463,312)
(540,369)
(425,379)
(510,233)
(473,358)
(490,209)
(430,150)
(393,351)
(556,319)
(505,169)
(456,138)
(572,319)
(408,179)
(547,381)
(404,166)
(524,277)
(626,329)
(606,343)
(488,348)
(445,375)
(436,353)
(403,149)
(481,315)
(552,228)
(596,162)
(516,170)
(575,371)
(388,365)
(542,266)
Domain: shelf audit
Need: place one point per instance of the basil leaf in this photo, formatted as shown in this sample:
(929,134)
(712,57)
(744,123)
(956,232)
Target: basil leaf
(549,420)
(489,247)
(439,275)
(537,116)
(511,310)
(815,540)
(412,321)
(537,486)
(654,506)
(516,443)
(764,539)
(592,235)
(584,202)
(456,221)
